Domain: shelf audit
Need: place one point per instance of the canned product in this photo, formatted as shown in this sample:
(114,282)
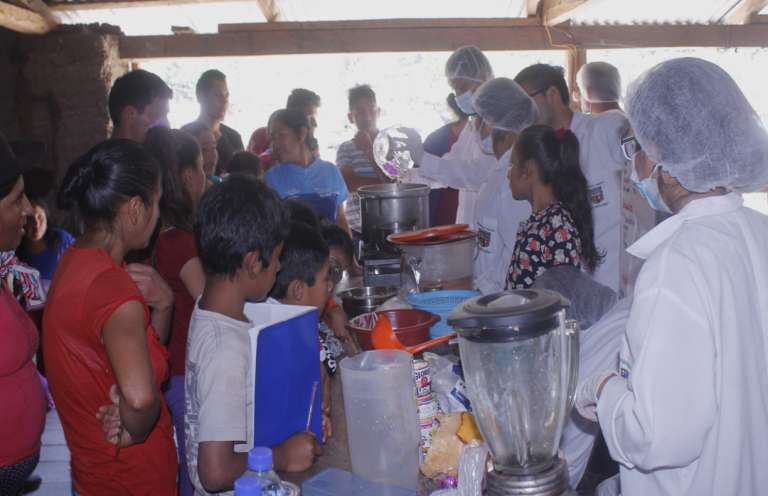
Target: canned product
(428,430)
(422,378)
(428,409)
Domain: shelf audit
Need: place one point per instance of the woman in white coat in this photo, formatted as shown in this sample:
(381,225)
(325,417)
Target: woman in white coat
(504,110)
(688,414)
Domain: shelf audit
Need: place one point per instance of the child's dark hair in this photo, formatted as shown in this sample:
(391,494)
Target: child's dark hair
(338,239)
(245,162)
(303,255)
(106,177)
(304,213)
(361,91)
(301,99)
(50,237)
(235,217)
(558,164)
(175,150)
(295,120)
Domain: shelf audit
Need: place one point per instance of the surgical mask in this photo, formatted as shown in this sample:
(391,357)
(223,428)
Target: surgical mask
(649,189)
(485,144)
(464,101)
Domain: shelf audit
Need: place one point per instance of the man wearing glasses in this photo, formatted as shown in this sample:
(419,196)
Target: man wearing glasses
(601,157)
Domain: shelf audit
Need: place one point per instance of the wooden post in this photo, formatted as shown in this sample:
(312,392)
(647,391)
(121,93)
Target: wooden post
(572,66)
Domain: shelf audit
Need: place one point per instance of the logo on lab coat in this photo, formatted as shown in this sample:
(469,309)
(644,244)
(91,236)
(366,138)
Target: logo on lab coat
(596,195)
(483,238)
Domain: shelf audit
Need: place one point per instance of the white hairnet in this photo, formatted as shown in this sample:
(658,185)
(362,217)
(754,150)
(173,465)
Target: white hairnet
(467,62)
(504,105)
(602,80)
(693,121)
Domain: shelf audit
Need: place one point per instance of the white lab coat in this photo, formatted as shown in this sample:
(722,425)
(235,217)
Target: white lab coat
(598,350)
(601,161)
(497,216)
(691,417)
(465,168)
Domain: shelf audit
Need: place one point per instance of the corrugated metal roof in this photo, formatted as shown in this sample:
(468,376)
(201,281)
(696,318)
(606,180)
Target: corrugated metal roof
(655,12)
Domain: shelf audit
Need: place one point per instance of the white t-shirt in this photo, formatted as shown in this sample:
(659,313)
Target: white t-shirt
(218,392)
(601,160)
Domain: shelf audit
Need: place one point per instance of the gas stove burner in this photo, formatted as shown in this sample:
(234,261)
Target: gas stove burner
(369,252)
(379,268)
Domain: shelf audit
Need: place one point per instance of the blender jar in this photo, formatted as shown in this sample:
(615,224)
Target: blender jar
(520,360)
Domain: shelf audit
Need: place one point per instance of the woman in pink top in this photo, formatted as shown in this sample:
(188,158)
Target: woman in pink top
(22,402)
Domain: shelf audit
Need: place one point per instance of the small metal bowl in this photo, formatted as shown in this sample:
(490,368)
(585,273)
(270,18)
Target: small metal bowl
(357,301)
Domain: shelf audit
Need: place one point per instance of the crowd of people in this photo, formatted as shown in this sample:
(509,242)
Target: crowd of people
(144,333)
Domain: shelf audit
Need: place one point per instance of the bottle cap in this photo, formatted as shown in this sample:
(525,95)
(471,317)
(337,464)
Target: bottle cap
(248,486)
(260,459)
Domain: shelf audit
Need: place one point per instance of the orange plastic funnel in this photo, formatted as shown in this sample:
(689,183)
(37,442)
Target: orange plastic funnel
(384,338)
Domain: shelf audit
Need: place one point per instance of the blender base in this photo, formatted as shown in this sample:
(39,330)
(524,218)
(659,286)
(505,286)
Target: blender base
(551,482)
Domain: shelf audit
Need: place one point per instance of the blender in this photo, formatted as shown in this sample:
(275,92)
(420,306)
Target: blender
(520,358)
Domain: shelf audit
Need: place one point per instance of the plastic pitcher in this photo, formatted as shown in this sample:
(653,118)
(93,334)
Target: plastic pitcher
(382,420)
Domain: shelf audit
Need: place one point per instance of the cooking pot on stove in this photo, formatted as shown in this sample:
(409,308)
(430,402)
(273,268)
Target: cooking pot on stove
(385,203)
(437,256)
(384,230)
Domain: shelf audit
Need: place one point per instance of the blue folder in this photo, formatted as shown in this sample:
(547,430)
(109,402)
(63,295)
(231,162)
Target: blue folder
(287,350)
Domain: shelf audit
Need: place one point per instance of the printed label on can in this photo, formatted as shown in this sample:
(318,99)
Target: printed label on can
(428,406)
(422,378)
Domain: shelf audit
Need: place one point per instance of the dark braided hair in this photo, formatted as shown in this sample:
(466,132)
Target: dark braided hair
(557,161)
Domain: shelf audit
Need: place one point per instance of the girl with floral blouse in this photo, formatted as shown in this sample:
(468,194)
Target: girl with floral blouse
(546,173)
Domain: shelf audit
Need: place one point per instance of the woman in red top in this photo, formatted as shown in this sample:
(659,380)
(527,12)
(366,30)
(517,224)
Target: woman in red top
(175,258)
(101,343)
(22,402)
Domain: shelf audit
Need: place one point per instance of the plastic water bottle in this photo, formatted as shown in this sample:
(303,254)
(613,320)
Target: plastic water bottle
(248,486)
(260,465)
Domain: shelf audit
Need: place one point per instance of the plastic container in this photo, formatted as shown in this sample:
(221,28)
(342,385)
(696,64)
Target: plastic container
(440,303)
(382,421)
(248,485)
(260,466)
(411,327)
(335,482)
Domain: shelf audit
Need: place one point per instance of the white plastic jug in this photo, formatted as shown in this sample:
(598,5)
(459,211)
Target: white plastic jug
(382,419)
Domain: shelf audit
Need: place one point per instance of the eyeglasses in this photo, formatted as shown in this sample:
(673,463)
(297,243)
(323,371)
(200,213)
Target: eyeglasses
(631,147)
(538,92)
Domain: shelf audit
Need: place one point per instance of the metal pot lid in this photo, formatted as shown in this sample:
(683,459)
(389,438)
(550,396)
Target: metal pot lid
(520,307)
(433,235)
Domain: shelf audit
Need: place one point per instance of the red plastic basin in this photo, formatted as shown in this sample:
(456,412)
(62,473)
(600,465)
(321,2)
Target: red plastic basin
(411,326)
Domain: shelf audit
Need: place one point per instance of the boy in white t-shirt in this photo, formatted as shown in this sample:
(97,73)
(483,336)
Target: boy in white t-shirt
(240,226)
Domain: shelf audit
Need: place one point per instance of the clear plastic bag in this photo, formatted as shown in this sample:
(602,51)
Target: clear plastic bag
(391,155)
(472,469)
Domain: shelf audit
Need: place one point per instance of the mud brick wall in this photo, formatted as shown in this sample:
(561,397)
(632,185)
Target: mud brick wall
(54,88)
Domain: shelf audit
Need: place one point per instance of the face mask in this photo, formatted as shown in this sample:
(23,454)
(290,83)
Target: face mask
(649,189)
(464,101)
(485,144)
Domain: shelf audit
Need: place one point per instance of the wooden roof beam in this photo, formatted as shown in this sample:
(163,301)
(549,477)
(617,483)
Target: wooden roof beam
(23,20)
(742,12)
(554,12)
(433,35)
(271,10)
(37,6)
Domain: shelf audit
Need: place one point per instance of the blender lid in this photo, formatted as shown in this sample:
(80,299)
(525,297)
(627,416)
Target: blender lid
(518,307)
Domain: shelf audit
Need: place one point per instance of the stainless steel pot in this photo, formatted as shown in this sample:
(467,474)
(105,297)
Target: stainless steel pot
(384,230)
(358,301)
(384,203)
